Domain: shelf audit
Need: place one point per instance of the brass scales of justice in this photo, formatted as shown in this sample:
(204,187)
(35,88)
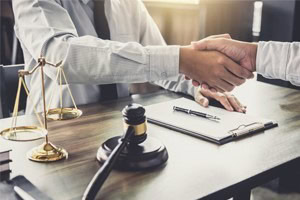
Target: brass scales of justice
(46,152)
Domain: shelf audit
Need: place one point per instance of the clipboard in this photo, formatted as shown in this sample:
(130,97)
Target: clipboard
(232,126)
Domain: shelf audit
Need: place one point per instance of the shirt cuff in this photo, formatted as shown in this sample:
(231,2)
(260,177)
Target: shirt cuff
(271,59)
(163,62)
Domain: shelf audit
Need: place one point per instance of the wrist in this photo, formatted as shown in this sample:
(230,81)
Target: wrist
(253,50)
(183,59)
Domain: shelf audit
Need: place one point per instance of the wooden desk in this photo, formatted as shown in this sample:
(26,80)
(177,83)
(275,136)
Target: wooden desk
(195,169)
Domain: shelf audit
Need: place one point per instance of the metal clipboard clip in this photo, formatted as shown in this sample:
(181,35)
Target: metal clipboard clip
(247,129)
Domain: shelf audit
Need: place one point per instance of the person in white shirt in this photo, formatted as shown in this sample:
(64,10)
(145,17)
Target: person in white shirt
(274,60)
(136,52)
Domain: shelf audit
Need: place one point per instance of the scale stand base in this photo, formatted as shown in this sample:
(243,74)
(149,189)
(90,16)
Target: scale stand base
(149,154)
(47,152)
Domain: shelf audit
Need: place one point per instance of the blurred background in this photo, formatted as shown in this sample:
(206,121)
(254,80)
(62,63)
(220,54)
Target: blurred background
(182,21)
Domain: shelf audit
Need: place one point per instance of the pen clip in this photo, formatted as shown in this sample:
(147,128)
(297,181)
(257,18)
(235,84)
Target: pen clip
(246,129)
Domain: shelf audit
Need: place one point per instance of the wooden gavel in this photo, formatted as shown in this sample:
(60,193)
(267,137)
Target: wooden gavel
(131,151)
(102,174)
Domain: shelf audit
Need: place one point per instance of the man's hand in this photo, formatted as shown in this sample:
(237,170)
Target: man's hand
(213,68)
(230,102)
(243,53)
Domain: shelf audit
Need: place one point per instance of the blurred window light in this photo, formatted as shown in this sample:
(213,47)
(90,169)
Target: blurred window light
(175,1)
(258,5)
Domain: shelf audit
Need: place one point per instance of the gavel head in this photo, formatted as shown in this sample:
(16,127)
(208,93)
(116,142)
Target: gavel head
(134,115)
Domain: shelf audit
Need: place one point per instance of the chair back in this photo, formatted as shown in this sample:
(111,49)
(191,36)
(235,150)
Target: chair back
(8,89)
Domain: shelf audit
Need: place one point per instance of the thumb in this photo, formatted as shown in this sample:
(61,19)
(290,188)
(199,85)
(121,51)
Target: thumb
(225,35)
(211,44)
(200,45)
(204,43)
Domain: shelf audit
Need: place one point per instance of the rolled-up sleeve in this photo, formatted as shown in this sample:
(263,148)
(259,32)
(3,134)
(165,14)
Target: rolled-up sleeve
(279,60)
(45,27)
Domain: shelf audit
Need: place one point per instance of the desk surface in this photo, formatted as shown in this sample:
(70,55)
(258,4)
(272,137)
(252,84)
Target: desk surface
(195,168)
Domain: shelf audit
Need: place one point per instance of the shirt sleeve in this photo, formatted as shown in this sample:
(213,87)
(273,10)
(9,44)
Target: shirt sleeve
(279,60)
(150,34)
(45,28)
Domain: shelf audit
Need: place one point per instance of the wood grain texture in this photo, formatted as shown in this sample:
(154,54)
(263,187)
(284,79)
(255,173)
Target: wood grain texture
(195,169)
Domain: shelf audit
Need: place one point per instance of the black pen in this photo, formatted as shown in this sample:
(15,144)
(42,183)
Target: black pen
(192,112)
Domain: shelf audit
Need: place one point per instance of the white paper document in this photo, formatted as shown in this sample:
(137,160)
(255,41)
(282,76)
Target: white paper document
(230,125)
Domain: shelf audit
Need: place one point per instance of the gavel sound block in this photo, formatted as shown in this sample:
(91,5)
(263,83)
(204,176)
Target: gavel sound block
(141,152)
(132,151)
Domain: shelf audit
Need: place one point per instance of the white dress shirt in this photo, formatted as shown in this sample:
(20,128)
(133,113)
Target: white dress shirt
(279,60)
(64,30)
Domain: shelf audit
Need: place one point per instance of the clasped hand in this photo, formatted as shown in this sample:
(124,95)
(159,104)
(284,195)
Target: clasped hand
(219,64)
(239,58)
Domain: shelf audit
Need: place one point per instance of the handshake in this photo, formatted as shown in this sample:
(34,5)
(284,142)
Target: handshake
(218,62)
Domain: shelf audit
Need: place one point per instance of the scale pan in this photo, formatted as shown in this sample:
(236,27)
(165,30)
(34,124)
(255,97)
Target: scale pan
(24,133)
(63,113)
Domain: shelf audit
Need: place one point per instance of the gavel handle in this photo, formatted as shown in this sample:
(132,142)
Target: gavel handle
(102,174)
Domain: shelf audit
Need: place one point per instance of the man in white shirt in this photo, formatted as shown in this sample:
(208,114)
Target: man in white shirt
(278,60)
(136,52)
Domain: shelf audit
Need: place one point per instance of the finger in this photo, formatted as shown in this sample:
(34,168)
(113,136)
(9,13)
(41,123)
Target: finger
(186,78)
(210,44)
(213,90)
(221,97)
(234,68)
(243,107)
(225,35)
(233,80)
(195,43)
(224,86)
(224,101)
(204,86)
(218,89)
(206,92)
(199,98)
(199,45)
(195,83)
(235,103)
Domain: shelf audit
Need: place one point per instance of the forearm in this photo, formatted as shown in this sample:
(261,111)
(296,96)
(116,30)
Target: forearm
(88,59)
(94,61)
(279,60)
